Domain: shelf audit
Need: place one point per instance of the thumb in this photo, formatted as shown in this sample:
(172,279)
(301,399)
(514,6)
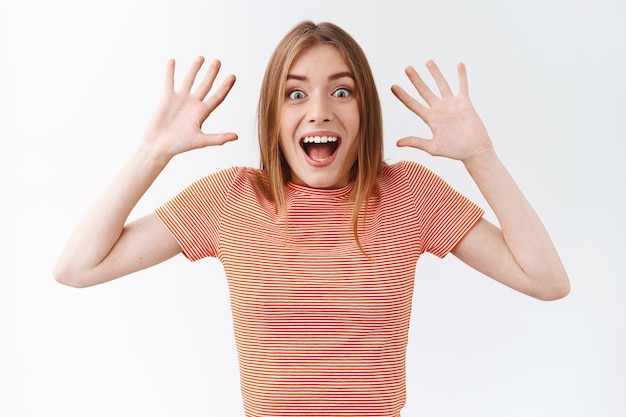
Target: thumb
(214,139)
(422,144)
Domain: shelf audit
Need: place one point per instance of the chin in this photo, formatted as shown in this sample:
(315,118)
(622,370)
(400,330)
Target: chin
(320,181)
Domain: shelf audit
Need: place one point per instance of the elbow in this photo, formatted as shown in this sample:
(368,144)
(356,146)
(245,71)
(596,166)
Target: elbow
(64,276)
(79,276)
(559,289)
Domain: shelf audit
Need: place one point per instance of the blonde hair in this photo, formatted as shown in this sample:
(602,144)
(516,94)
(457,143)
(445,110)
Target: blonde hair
(369,159)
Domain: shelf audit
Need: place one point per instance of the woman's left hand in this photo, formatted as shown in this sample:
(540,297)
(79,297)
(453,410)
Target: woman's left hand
(457,130)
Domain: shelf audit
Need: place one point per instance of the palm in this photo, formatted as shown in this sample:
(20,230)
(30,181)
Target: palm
(457,130)
(177,124)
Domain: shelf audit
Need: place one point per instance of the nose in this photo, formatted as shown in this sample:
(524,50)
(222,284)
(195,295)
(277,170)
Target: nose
(320,109)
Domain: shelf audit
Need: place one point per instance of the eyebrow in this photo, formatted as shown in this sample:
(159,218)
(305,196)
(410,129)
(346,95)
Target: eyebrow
(331,78)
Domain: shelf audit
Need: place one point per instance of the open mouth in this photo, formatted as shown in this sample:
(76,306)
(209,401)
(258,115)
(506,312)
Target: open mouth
(319,148)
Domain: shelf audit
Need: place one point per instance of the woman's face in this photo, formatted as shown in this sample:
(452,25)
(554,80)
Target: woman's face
(320,119)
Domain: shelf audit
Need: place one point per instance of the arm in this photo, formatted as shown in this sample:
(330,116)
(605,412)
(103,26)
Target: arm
(520,254)
(103,247)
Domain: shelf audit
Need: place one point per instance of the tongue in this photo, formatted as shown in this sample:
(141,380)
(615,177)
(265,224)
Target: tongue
(320,151)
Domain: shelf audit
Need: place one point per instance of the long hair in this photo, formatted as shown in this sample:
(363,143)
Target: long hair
(369,159)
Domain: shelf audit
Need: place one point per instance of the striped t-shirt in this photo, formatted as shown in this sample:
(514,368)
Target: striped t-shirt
(321,329)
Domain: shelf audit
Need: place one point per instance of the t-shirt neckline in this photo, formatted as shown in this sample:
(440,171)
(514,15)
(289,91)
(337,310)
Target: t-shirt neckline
(341,192)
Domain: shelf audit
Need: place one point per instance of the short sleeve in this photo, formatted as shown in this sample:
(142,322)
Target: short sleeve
(444,215)
(194,215)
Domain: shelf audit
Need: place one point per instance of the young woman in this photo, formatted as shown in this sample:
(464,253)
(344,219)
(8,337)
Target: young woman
(320,244)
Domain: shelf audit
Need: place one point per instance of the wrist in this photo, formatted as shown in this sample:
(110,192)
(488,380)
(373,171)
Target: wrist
(152,156)
(481,159)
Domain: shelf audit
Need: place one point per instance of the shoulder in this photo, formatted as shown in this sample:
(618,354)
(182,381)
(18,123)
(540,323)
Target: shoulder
(227,175)
(415,180)
(236,184)
(226,178)
(406,171)
(212,188)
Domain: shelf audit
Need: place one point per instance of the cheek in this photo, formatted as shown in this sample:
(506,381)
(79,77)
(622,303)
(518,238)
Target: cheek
(287,148)
(286,125)
(355,118)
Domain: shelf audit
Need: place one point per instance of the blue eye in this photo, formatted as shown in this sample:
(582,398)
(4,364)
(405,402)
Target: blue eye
(342,93)
(296,95)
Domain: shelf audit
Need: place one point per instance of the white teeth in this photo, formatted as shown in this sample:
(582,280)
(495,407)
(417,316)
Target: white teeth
(320,139)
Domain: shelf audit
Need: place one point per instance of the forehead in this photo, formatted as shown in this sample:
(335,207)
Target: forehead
(319,58)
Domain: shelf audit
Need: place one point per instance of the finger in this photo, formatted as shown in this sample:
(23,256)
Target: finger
(218,97)
(426,145)
(207,82)
(442,84)
(463,84)
(169,75)
(406,99)
(191,75)
(420,86)
(214,139)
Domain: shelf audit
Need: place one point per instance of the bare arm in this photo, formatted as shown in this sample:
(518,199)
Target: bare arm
(521,253)
(103,246)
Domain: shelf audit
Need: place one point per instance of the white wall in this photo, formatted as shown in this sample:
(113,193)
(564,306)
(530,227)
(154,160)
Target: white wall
(78,81)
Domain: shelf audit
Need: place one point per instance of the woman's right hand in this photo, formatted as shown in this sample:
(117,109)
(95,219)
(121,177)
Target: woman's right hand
(176,126)
(103,246)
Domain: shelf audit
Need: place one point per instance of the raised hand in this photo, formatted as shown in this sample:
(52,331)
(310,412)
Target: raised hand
(177,123)
(457,130)
(104,246)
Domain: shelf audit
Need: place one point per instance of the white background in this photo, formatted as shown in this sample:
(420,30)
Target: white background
(78,83)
